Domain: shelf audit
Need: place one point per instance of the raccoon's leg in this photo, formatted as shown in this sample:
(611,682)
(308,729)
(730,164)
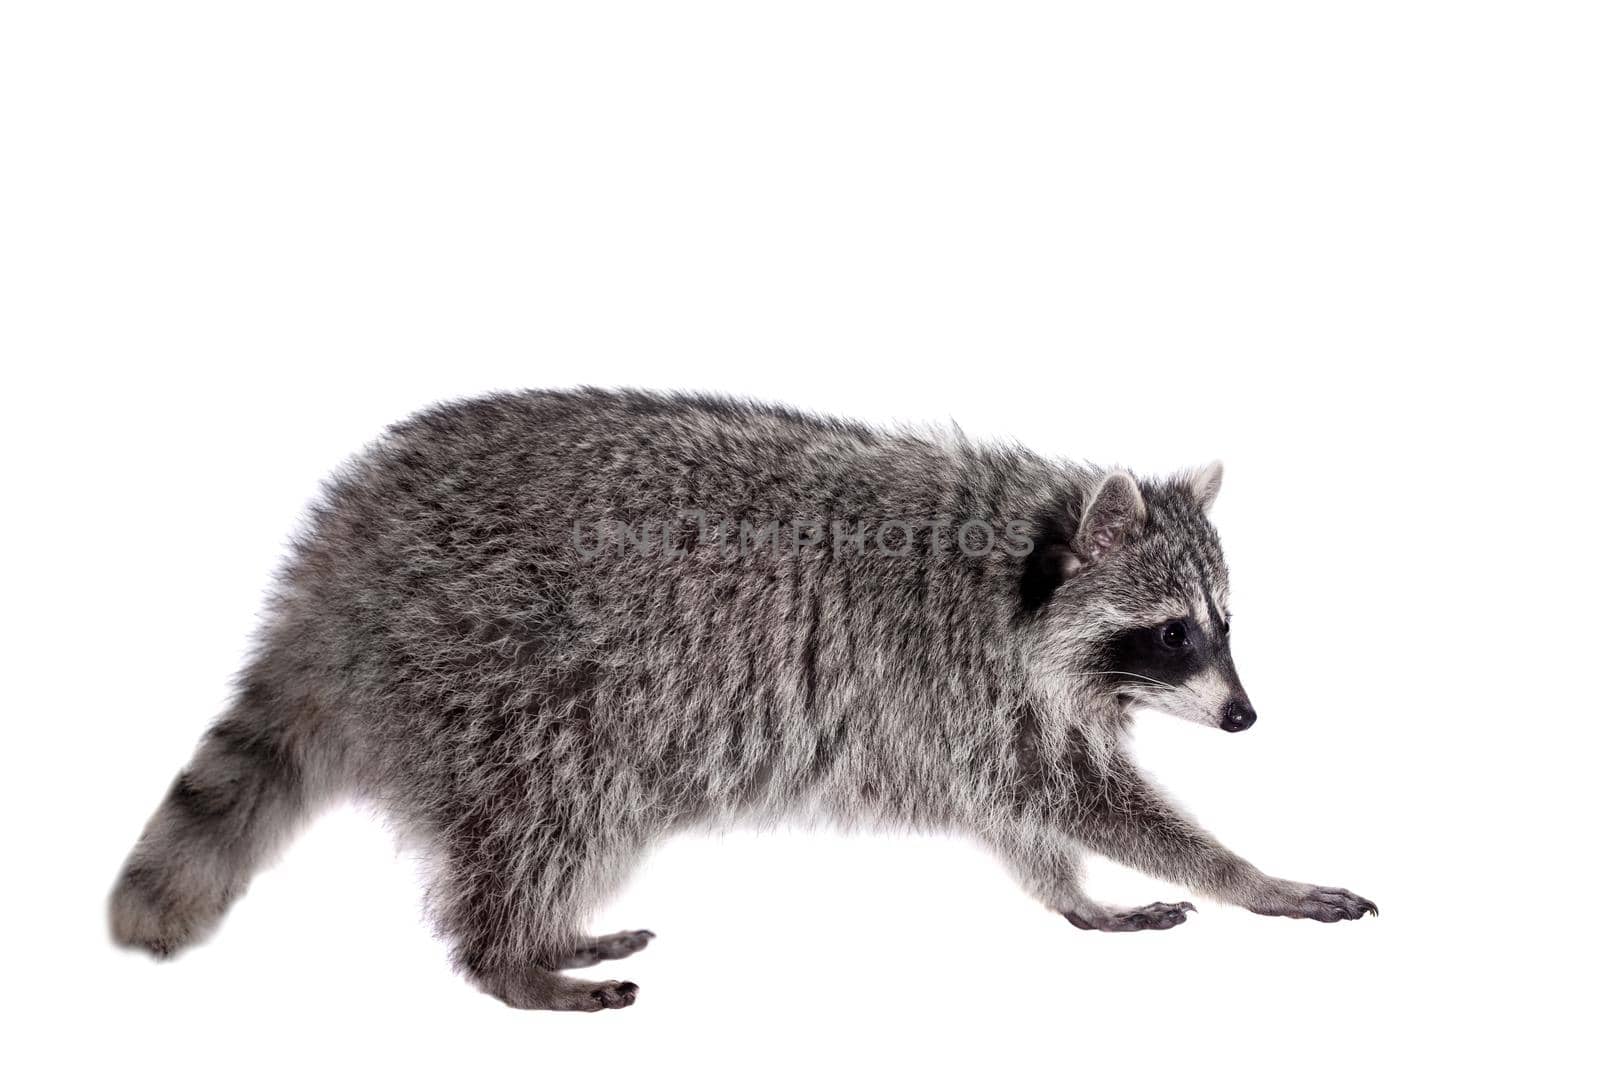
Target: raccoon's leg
(496,952)
(593,950)
(1120,815)
(514,900)
(1050,867)
(535,988)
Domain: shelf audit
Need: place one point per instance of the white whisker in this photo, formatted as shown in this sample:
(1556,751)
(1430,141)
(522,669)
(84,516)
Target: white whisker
(1127,674)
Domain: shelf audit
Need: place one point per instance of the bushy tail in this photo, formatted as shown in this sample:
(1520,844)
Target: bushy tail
(242,793)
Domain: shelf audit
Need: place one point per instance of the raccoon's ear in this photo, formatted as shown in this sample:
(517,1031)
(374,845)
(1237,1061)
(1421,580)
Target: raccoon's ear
(1114,514)
(1204,483)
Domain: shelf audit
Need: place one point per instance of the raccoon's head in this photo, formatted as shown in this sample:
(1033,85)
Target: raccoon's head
(1129,594)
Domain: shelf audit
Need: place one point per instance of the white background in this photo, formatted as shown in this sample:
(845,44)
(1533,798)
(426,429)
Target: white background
(1348,248)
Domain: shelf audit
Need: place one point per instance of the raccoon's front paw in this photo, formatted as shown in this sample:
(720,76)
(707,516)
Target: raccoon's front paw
(1149,917)
(1298,900)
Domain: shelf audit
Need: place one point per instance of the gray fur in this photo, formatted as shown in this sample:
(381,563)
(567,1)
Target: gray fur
(536,718)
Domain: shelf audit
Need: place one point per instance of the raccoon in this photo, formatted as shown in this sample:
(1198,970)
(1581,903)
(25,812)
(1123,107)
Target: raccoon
(543,631)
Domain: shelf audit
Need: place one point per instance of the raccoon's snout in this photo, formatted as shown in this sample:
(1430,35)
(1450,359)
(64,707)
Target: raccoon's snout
(1237,715)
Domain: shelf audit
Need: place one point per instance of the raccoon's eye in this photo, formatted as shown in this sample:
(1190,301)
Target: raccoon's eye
(1227,624)
(1174,634)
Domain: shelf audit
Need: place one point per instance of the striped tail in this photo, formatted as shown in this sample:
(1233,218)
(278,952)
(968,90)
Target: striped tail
(241,795)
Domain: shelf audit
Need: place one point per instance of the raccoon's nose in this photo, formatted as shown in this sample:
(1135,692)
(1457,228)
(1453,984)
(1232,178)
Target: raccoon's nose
(1237,715)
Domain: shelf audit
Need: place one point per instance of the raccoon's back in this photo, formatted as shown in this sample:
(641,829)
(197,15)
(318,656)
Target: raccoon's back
(446,577)
(476,510)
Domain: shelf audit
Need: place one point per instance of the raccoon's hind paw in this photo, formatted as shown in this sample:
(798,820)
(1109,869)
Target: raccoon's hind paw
(1150,917)
(598,949)
(541,990)
(613,995)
